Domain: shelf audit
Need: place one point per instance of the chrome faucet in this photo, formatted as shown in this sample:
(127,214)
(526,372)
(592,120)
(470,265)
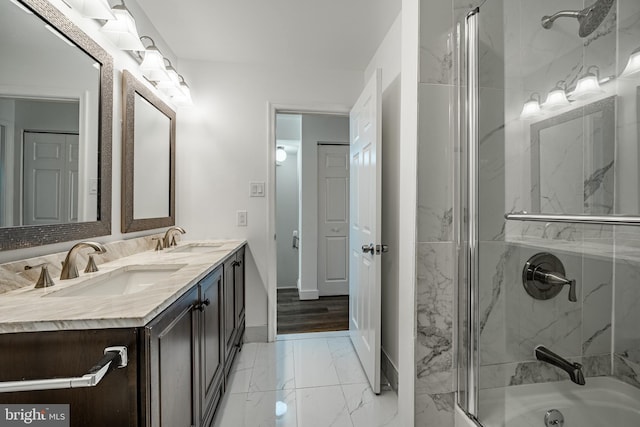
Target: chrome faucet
(573,369)
(69,267)
(169,237)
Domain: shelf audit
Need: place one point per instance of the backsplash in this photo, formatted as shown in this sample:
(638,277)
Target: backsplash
(14,276)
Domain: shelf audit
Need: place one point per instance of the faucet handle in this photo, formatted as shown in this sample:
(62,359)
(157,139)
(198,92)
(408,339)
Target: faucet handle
(158,244)
(45,280)
(572,291)
(91,264)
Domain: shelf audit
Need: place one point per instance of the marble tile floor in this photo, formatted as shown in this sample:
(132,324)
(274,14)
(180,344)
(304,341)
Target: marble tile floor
(303,380)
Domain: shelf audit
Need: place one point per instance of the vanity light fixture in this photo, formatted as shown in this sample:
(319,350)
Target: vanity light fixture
(183,98)
(281,154)
(171,86)
(531,108)
(122,29)
(633,65)
(588,85)
(557,97)
(152,65)
(94,9)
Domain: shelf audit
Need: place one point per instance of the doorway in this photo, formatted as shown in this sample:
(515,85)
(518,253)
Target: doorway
(311,216)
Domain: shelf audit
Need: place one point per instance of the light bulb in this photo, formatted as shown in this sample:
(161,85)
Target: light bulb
(281,154)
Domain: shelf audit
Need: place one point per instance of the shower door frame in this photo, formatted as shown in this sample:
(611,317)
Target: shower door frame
(467,236)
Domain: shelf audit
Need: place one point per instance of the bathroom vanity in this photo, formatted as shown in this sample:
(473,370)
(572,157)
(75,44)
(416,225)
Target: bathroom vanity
(179,312)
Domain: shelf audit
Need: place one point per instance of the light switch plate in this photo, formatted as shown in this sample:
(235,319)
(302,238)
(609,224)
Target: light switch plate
(256,189)
(241,218)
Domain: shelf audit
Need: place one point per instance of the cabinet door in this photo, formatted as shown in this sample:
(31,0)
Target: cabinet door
(240,295)
(229,308)
(173,365)
(211,344)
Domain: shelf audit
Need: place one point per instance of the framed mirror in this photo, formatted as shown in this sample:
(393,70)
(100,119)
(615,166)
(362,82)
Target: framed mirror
(573,161)
(148,158)
(56,105)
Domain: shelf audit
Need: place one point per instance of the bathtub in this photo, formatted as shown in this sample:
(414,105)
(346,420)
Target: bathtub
(603,401)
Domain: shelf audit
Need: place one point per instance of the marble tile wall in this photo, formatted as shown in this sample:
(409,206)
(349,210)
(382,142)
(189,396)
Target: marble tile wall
(13,275)
(434,382)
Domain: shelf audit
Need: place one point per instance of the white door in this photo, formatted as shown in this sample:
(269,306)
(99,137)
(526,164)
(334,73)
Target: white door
(365,233)
(333,220)
(50,178)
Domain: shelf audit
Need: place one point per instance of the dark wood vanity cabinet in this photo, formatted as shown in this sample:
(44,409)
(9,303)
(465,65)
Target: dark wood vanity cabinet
(70,353)
(185,359)
(175,375)
(234,306)
(190,347)
(171,365)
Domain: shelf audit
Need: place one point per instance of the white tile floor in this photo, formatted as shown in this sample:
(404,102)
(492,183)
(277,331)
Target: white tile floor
(306,380)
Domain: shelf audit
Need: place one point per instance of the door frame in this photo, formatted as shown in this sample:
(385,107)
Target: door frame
(272,250)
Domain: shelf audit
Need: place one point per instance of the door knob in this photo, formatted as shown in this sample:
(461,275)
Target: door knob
(368,248)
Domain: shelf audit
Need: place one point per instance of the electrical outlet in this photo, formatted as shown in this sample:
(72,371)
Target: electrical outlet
(241,218)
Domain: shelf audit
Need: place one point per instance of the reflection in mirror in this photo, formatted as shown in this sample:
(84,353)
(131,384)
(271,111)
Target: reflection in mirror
(148,184)
(55,128)
(572,166)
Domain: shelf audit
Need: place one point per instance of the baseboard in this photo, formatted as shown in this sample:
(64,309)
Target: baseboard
(306,295)
(389,369)
(256,334)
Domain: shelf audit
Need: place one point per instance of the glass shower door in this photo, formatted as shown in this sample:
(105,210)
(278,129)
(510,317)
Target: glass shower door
(550,192)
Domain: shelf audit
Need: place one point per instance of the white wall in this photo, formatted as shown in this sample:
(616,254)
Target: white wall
(315,128)
(223,144)
(287,207)
(387,58)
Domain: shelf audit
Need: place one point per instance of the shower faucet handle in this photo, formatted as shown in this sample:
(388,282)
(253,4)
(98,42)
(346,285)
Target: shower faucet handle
(543,277)
(572,291)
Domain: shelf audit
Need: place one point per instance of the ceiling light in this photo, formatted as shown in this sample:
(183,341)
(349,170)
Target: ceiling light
(557,98)
(531,108)
(633,65)
(94,9)
(122,29)
(281,154)
(588,85)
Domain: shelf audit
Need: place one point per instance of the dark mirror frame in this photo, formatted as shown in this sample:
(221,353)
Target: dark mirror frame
(130,86)
(38,235)
(608,108)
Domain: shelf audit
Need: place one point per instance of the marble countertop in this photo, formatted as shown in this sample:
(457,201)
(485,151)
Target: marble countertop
(30,309)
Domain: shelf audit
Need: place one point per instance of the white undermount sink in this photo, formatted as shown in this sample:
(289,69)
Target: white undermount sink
(122,281)
(198,248)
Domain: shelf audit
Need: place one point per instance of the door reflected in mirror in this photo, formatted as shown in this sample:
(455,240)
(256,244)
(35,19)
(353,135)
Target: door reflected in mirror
(148,183)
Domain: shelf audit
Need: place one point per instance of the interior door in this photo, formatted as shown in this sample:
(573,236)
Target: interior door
(333,220)
(365,232)
(50,178)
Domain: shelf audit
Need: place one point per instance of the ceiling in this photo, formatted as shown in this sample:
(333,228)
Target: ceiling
(331,34)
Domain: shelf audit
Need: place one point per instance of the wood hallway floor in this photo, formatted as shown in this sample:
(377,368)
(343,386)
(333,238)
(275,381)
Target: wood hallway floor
(322,315)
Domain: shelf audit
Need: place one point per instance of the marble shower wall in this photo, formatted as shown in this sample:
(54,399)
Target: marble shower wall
(513,323)
(434,382)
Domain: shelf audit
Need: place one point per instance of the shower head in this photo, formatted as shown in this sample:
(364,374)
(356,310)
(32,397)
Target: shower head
(589,18)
